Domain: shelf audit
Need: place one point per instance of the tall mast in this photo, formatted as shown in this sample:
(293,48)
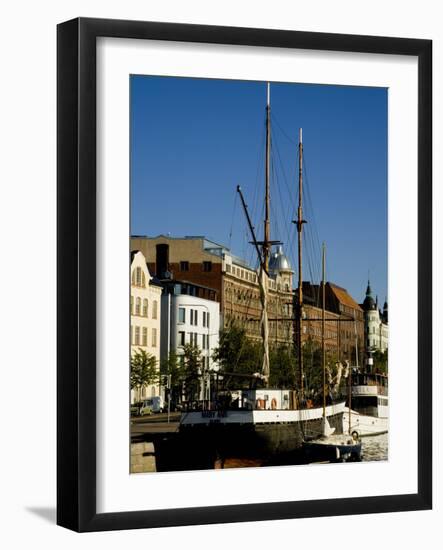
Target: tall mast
(323,308)
(267,230)
(299,222)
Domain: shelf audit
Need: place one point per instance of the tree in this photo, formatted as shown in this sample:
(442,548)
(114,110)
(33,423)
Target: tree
(192,370)
(170,367)
(380,361)
(282,367)
(313,370)
(143,370)
(236,356)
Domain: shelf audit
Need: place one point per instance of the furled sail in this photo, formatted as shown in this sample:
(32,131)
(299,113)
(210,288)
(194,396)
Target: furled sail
(263,283)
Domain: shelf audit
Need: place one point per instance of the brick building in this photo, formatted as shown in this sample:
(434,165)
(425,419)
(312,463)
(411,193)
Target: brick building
(341,310)
(211,265)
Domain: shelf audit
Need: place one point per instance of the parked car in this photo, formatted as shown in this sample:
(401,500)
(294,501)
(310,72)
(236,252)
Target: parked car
(155,404)
(146,407)
(135,409)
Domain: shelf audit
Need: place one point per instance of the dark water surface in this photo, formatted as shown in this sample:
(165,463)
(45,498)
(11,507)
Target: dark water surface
(375,448)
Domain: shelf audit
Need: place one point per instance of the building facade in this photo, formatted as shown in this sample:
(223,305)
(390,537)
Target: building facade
(190,315)
(145,311)
(344,321)
(203,262)
(376,323)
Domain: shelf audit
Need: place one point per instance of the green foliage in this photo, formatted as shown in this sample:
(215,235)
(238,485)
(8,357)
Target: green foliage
(283,367)
(171,366)
(380,361)
(237,355)
(192,369)
(312,367)
(143,370)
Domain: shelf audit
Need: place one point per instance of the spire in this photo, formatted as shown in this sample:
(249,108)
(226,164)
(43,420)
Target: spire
(385,311)
(369,302)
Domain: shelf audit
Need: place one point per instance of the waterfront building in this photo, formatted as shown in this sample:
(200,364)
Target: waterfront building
(340,329)
(145,318)
(203,262)
(189,318)
(190,315)
(376,323)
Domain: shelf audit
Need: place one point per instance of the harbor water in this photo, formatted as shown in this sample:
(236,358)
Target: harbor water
(375,448)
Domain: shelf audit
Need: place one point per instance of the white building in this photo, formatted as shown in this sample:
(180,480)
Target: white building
(376,323)
(145,317)
(189,319)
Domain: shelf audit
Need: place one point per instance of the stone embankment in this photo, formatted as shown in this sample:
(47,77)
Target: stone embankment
(142,458)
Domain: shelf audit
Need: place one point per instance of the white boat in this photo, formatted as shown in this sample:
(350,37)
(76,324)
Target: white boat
(369,414)
(333,448)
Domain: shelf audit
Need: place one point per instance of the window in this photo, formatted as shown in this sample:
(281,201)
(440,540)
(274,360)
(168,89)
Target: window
(181,315)
(181,338)
(131,336)
(145,307)
(137,336)
(194,317)
(207,266)
(132,304)
(207,319)
(184,266)
(138,277)
(145,336)
(154,337)
(204,318)
(137,306)
(228,268)
(154,309)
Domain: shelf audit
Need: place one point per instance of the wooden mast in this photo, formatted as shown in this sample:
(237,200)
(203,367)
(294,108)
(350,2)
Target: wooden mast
(323,308)
(267,229)
(299,222)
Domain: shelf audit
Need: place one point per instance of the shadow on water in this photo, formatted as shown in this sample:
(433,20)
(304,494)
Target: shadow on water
(48,514)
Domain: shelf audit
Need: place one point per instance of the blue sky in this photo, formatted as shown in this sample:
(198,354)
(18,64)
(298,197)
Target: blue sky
(194,140)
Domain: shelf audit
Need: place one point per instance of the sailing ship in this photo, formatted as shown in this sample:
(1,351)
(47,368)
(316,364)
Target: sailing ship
(264,422)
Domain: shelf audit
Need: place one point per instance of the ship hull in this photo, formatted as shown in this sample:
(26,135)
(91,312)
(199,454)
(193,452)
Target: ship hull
(365,425)
(205,438)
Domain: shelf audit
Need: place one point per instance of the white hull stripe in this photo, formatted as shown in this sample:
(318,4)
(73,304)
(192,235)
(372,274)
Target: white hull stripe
(259,416)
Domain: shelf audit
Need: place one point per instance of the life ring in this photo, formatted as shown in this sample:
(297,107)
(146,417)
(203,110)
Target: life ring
(260,403)
(273,404)
(354,435)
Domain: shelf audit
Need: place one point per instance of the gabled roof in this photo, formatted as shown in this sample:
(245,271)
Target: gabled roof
(343,297)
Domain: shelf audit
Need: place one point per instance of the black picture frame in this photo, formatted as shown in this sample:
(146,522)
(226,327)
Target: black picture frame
(76,281)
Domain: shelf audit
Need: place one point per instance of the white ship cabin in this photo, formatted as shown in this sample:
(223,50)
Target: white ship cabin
(263,399)
(370,394)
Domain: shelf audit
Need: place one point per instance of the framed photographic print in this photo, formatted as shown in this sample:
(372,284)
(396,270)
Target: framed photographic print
(244,274)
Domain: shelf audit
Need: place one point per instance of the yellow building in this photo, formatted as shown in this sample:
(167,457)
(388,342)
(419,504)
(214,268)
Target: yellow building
(145,317)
